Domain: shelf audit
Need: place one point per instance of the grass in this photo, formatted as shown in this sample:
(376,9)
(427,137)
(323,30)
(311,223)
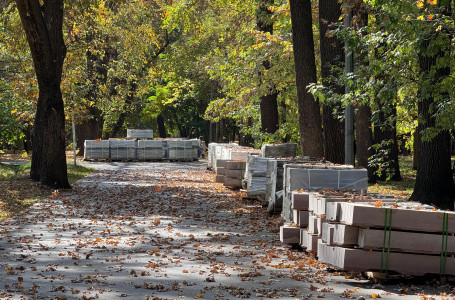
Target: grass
(400,189)
(19,192)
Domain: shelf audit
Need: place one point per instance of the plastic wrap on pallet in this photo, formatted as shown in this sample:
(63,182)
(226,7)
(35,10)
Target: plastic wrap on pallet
(215,151)
(279,150)
(258,186)
(151,149)
(122,149)
(139,133)
(254,170)
(96,149)
(182,149)
(316,179)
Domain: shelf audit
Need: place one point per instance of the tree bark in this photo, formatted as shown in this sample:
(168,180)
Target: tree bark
(92,124)
(364,140)
(385,136)
(415,149)
(90,129)
(311,141)
(363,124)
(332,54)
(434,182)
(161,126)
(268,102)
(42,24)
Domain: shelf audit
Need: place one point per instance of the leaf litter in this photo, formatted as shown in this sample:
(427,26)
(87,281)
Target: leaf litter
(164,231)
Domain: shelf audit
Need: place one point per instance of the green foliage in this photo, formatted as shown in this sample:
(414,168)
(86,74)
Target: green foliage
(10,124)
(220,44)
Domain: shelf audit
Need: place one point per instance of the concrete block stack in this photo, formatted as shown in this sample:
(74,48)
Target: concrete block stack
(182,150)
(220,167)
(257,176)
(279,150)
(139,134)
(234,172)
(361,233)
(226,151)
(318,176)
(96,149)
(151,149)
(122,149)
(136,148)
(230,173)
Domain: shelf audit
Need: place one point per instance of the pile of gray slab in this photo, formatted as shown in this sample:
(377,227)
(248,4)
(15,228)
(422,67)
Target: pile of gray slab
(370,232)
(140,145)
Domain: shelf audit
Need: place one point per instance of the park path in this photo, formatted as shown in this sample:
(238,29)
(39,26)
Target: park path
(159,231)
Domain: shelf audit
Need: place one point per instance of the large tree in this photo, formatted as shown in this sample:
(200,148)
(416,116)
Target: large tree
(305,74)
(268,102)
(332,54)
(42,22)
(434,181)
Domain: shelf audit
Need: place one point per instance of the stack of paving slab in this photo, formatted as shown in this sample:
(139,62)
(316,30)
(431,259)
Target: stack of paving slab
(230,173)
(215,153)
(141,149)
(258,175)
(220,167)
(122,149)
(96,149)
(319,176)
(151,149)
(373,233)
(183,149)
(275,194)
(139,134)
(279,150)
(229,151)
(234,172)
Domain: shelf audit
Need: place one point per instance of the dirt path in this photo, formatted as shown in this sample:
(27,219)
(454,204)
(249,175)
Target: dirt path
(160,231)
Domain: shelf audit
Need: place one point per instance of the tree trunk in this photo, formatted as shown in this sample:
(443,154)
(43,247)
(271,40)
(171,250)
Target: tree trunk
(415,149)
(161,126)
(27,138)
(269,112)
(311,141)
(363,124)
(42,24)
(364,140)
(268,102)
(91,126)
(89,129)
(385,136)
(434,182)
(331,55)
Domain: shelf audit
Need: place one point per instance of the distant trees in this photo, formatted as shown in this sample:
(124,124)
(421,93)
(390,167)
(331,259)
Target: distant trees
(237,70)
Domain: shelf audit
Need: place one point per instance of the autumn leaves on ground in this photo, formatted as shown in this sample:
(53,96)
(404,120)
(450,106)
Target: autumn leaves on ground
(163,229)
(160,231)
(19,192)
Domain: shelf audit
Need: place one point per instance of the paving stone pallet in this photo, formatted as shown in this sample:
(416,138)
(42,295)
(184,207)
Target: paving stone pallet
(130,150)
(231,151)
(279,150)
(182,149)
(151,149)
(374,233)
(96,149)
(318,176)
(264,178)
(122,149)
(230,173)
(139,133)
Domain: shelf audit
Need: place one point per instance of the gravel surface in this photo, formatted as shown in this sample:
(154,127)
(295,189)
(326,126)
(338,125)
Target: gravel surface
(164,231)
